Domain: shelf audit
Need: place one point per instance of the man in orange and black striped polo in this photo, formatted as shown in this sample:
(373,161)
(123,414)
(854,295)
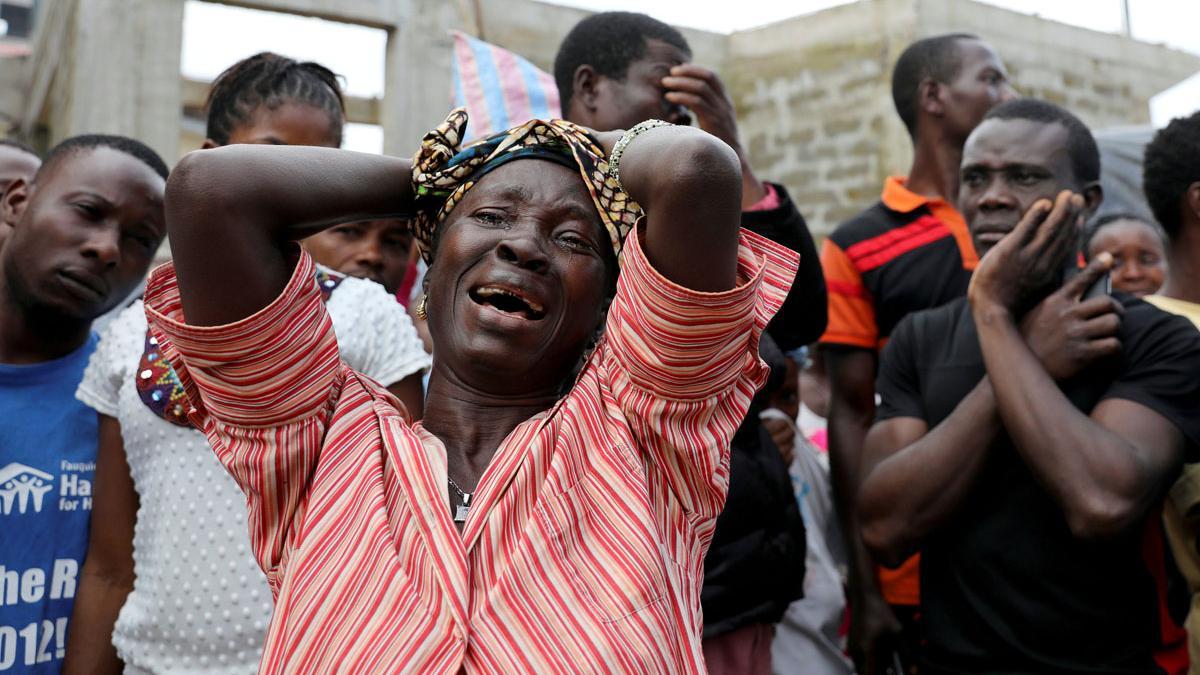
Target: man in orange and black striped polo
(909,251)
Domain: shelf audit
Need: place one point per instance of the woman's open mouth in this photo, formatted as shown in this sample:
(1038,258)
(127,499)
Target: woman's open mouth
(508,300)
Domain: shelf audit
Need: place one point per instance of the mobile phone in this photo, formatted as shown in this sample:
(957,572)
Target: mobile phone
(1103,286)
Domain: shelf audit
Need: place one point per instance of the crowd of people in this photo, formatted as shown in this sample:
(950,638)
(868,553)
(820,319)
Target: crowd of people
(583,396)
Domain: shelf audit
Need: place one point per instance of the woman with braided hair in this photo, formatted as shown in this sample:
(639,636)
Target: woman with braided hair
(271,99)
(551,511)
(169,584)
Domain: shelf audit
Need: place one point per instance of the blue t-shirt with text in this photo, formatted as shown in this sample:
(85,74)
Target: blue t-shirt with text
(48,443)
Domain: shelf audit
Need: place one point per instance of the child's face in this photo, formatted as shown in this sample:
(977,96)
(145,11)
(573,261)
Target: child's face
(1139,261)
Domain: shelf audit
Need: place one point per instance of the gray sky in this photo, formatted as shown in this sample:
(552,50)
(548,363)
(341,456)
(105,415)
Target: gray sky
(1169,21)
(216,36)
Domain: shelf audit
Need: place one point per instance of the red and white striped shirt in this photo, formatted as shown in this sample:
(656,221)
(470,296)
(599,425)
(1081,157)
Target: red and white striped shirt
(584,547)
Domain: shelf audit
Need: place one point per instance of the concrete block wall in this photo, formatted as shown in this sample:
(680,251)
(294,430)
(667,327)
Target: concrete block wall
(118,72)
(814,92)
(814,104)
(534,30)
(1104,78)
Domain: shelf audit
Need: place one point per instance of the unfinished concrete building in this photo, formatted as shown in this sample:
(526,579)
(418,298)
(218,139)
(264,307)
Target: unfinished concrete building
(812,92)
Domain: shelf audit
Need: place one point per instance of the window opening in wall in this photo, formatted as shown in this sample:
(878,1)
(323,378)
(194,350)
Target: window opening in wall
(216,36)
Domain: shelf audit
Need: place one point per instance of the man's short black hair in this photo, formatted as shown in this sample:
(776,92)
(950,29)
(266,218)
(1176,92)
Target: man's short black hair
(608,42)
(938,58)
(18,145)
(1081,145)
(1171,164)
(88,142)
(268,79)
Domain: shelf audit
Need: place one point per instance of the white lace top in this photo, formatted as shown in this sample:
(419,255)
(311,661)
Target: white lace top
(200,603)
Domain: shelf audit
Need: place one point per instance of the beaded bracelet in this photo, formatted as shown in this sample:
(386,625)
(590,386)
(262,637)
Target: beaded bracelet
(614,160)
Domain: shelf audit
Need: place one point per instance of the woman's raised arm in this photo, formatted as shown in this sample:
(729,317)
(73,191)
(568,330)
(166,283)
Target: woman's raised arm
(232,211)
(689,183)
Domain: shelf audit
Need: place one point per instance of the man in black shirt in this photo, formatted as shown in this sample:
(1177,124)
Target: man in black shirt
(1026,431)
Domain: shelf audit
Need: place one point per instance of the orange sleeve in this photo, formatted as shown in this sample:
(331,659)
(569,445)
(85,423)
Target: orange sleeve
(902,586)
(851,312)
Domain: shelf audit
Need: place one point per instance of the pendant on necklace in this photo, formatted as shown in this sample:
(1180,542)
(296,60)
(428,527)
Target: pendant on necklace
(461,511)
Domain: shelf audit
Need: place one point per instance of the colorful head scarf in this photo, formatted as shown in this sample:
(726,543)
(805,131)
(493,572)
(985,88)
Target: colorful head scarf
(442,173)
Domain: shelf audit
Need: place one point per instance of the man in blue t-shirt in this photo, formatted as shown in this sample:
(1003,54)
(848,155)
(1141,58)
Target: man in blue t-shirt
(83,231)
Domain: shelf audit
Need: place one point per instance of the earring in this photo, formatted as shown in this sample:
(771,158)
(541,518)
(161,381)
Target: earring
(422,314)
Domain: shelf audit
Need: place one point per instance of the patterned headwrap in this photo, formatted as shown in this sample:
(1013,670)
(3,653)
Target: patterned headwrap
(442,173)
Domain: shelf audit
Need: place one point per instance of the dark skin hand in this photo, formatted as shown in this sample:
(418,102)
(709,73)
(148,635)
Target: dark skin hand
(851,373)
(919,477)
(664,85)
(107,575)
(234,210)
(661,84)
(701,91)
(1104,469)
(783,434)
(1039,247)
(668,193)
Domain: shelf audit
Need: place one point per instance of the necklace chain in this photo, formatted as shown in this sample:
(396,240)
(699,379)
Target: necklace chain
(466,496)
(460,513)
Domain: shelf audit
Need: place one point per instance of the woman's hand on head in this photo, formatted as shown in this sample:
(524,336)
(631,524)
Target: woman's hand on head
(689,183)
(232,213)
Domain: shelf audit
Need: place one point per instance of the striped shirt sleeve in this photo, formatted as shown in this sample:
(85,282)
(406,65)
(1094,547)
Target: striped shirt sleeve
(270,368)
(682,344)
(262,390)
(685,367)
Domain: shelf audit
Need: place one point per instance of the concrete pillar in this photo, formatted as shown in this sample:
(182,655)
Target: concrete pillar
(417,79)
(120,73)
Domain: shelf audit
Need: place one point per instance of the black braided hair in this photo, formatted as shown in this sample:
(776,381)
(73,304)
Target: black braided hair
(268,79)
